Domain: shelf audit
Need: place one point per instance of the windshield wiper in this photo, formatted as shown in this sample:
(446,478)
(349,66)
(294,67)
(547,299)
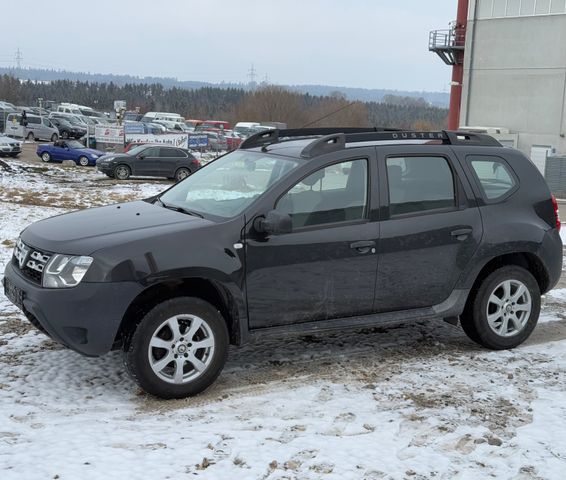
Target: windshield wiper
(179,209)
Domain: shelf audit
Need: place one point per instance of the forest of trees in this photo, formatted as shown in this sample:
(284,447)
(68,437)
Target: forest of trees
(267,103)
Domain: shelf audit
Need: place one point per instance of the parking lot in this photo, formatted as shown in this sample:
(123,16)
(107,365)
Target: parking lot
(414,401)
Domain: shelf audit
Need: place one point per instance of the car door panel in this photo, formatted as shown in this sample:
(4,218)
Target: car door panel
(147,165)
(315,272)
(422,254)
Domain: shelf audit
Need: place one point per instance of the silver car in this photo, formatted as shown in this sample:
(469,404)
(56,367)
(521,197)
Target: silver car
(38,128)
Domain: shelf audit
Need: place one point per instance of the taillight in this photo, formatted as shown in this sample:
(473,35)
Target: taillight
(556,213)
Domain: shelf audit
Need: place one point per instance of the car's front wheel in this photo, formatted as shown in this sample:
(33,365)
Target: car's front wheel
(83,161)
(46,157)
(504,309)
(178,349)
(122,172)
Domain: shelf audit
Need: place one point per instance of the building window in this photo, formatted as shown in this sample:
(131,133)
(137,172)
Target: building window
(542,7)
(513,8)
(516,8)
(499,7)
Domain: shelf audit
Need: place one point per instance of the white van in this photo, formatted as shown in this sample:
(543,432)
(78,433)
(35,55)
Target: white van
(246,128)
(69,108)
(38,128)
(165,116)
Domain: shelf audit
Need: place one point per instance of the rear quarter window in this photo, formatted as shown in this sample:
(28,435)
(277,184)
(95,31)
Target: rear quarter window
(494,176)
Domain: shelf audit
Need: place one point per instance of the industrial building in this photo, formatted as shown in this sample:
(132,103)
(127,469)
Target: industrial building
(509,72)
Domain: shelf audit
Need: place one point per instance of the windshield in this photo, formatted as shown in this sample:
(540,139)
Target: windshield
(74,144)
(135,150)
(227,186)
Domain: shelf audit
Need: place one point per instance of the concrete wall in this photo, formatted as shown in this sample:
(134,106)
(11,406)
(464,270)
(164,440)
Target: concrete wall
(515,77)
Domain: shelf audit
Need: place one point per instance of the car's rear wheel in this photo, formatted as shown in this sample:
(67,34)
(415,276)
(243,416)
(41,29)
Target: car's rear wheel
(30,137)
(122,172)
(54,137)
(46,157)
(178,349)
(504,310)
(83,161)
(182,173)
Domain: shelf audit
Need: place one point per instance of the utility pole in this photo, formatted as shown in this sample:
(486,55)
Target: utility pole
(252,74)
(19,57)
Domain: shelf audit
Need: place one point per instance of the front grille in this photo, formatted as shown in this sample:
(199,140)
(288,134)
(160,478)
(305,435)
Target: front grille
(30,261)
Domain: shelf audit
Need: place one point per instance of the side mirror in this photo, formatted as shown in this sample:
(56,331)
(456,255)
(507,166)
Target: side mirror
(274,223)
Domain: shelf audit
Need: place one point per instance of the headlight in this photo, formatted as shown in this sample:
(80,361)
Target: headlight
(63,271)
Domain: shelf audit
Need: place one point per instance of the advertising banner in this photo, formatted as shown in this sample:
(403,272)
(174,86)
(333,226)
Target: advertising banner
(198,141)
(180,140)
(109,134)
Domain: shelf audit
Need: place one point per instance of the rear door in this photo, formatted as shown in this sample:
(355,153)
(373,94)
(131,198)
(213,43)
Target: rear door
(168,161)
(430,229)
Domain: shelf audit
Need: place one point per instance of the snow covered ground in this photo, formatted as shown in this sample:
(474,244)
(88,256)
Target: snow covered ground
(418,401)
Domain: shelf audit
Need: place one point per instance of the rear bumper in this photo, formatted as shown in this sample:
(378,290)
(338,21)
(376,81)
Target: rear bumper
(85,318)
(551,253)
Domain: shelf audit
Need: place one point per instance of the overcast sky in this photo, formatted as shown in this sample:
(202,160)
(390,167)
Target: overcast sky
(355,43)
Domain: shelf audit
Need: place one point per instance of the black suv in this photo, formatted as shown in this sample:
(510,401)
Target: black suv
(149,161)
(298,231)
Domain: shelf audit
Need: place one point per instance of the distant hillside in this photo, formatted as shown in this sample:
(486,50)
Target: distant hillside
(438,99)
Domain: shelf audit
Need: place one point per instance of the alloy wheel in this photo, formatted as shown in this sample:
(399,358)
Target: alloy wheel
(509,308)
(181,349)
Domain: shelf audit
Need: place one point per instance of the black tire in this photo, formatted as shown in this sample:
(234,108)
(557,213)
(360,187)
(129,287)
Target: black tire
(54,137)
(30,137)
(83,161)
(46,157)
(182,173)
(122,172)
(474,320)
(64,134)
(14,155)
(137,350)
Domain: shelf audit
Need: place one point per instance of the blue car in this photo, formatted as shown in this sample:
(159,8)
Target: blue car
(68,150)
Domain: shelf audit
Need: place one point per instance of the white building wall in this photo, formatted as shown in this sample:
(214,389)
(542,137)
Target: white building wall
(515,70)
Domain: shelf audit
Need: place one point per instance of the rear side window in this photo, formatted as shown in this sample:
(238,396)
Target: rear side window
(419,184)
(493,174)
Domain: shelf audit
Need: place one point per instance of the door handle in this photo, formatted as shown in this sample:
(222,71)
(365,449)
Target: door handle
(363,246)
(461,233)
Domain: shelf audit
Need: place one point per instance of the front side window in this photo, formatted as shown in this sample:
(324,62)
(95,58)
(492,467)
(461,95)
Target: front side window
(419,184)
(337,193)
(493,175)
(227,186)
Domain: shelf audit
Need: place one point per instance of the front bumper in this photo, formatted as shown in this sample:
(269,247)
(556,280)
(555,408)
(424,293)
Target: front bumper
(85,318)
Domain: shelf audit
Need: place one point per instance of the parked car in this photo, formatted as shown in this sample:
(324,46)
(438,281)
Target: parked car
(68,150)
(37,128)
(9,147)
(149,161)
(349,228)
(216,141)
(214,125)
(67,129)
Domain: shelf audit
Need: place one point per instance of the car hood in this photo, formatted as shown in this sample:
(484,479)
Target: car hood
(85,231)
(108,156)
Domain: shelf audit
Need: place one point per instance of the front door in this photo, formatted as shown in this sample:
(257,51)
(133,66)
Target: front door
(146,163)
(326,267)
(430,231)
